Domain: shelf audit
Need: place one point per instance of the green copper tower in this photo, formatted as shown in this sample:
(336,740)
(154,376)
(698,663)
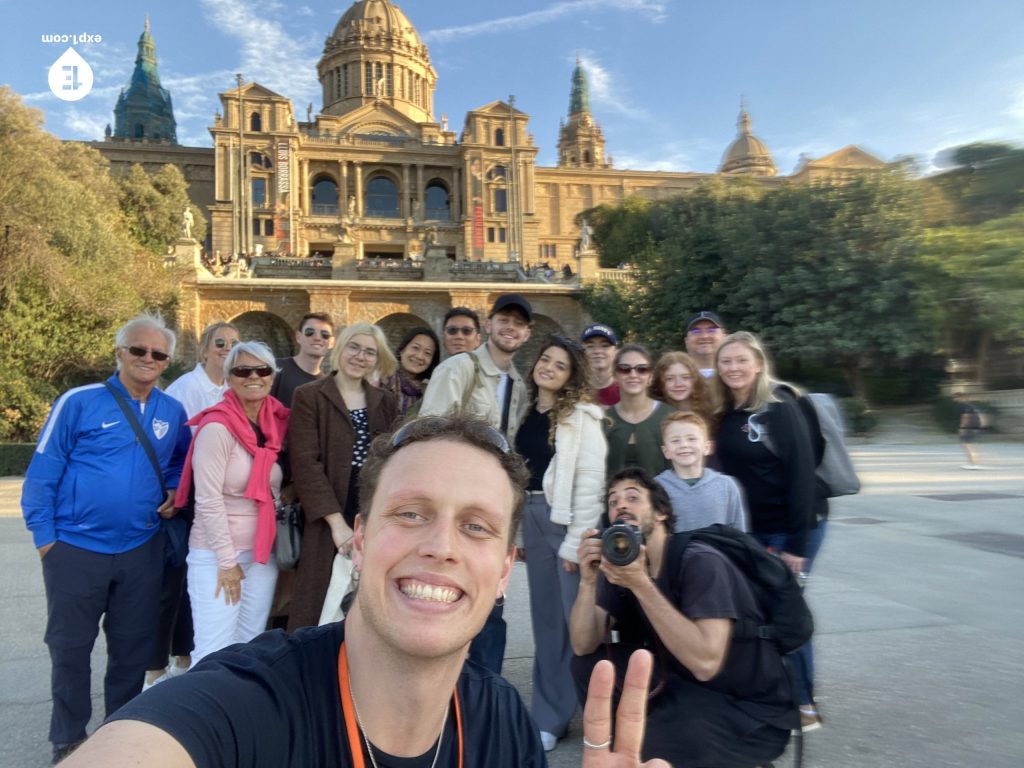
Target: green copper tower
(144,111)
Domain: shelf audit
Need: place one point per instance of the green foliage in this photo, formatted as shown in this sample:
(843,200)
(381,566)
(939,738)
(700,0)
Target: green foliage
(70,270)
(15,458)
(987,181)
(154,206)
(860,419)
(613,304)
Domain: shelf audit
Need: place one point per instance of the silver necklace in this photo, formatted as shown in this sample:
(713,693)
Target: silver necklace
(369,747)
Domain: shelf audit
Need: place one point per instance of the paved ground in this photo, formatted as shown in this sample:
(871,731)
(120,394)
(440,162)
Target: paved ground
(920,640)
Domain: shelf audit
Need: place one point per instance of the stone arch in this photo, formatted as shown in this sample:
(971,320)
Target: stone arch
(381,195)
(543,326)
(269,328)
(323,194)
(397,324)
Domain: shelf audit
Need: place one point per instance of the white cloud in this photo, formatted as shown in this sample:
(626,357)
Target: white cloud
(605,93)
(654,8)
(86,125)
(304,10)
(673,156)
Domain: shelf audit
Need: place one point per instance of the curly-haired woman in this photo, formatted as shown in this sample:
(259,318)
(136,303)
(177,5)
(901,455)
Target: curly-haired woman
(562,440)
(677,382)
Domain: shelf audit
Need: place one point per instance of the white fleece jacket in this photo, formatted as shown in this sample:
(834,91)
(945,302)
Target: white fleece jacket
(574,480)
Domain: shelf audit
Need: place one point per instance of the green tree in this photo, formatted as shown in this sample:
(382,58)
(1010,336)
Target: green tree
(154,205)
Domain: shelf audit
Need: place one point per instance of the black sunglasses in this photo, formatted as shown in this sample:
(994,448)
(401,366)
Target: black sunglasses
(455,330)
(493,436)
(641,369)
(221,343)
(246,371)
(324,333)
(143,351)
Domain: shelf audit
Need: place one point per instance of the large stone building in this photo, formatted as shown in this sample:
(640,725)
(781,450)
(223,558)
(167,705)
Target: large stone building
(373,208)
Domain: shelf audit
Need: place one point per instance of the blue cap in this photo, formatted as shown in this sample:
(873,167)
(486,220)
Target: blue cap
(599,329)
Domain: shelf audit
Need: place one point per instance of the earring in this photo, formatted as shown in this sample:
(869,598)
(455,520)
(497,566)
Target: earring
(500,601)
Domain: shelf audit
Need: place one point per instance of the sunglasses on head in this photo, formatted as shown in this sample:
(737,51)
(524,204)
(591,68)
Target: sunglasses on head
(455,330)
(493,436)
(221,343)
(143,351)
(324,333)
(627,369)
(246,371)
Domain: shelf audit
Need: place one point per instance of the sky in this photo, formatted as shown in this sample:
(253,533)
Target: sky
(896,77)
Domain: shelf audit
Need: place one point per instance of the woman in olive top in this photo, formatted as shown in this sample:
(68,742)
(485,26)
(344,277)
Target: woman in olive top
(634,423)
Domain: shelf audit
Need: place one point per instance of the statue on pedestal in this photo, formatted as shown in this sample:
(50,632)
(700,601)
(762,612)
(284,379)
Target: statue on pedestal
(186,223)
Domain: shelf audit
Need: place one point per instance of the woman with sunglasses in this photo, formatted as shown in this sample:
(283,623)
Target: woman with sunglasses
(562,440)
(334,420)
(197,390)
(232,464)
(633,429)
(764,443)
(418,355)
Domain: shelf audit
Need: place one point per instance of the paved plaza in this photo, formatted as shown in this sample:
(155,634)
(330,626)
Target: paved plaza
(917,597)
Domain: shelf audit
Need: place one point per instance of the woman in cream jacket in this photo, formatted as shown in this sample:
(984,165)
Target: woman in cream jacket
(562,440)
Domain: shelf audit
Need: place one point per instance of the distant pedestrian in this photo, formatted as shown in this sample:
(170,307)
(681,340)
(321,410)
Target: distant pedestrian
(970,429)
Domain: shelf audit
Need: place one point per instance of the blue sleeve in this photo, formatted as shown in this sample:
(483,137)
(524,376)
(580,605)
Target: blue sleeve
(47,468)
(172,475)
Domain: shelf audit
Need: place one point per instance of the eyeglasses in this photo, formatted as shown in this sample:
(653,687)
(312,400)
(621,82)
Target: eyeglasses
(324,333)
(156,354)
(643,368)
(229,343)
(356,351)
(710,331)
(246,371)
(455,330)
(486,431)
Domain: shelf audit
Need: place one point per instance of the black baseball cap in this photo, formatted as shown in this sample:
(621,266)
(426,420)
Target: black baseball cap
(705,315)
(512,301)
(599,329)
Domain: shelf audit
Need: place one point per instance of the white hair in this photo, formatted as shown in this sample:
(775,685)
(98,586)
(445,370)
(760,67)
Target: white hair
(257,349)
(148,321)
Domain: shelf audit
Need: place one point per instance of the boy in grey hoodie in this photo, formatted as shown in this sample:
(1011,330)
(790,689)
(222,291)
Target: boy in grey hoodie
(700,497)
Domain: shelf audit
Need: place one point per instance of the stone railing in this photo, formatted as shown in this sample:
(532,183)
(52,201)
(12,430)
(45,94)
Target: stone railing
(288,267)
(389,269)
(617,275)
(485,271)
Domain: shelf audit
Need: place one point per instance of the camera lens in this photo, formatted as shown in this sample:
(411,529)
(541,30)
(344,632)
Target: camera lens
(620,544)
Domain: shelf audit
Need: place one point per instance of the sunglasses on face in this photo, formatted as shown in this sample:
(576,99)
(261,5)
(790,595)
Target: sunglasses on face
(324,333)
(143,351)
(455,330)
(221,343)
(246,371)
(642,369)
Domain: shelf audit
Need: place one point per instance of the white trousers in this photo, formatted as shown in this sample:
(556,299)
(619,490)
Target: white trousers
(217,624)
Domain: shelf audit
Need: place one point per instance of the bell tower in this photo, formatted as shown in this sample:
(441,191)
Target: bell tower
(580,141)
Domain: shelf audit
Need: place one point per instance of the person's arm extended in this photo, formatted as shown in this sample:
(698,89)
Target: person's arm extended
(588,622)
(129,744)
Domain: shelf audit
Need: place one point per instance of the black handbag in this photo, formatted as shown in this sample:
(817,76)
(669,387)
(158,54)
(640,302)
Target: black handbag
(176,529)
(288,541)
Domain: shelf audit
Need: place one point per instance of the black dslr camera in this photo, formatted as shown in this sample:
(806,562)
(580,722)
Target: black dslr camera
(620,543)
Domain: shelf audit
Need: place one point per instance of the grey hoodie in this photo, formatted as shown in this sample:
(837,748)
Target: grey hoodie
(715,498)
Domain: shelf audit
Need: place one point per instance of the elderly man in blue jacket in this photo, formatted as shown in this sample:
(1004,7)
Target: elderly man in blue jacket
(93,502)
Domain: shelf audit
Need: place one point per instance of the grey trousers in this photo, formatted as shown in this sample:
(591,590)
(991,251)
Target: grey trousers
(552,594)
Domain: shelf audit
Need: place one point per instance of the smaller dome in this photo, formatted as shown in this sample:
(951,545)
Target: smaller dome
(747,154)
(374,18)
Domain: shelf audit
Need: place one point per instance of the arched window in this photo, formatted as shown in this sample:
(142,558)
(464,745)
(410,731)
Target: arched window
(586,156)
(497,174)
(325,196)
(381,197)
(497,177)
(499,137)
(255,122)
(437,201)
(140,131)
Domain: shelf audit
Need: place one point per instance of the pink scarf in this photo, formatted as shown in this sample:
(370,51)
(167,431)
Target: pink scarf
(273,422)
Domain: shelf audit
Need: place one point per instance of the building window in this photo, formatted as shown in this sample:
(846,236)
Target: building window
(140,130)
(436,201)
(381,197)
(586,156)
(490,234)
(255,122)
(368,85)
(325,197)
(499,137)
(554,251)
(501,200)
(501,234)
(389,81)
(259,192)
(268,227)
(344,79)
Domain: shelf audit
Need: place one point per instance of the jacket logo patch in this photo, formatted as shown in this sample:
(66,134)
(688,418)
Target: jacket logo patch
(160,428)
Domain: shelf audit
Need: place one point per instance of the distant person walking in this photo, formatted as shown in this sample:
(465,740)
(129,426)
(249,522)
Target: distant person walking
(970,429)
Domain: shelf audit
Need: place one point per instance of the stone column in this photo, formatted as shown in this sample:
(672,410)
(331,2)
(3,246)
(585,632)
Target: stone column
(342,188)
(455,201)
(421,193)
(359,189)
(304,181)
(404,195)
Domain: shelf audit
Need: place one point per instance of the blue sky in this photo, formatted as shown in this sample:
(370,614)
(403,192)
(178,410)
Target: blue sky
(899,77)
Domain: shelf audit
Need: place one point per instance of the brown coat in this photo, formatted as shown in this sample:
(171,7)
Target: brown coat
(321,438)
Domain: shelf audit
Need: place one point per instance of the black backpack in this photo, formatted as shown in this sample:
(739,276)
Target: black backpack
(788,620)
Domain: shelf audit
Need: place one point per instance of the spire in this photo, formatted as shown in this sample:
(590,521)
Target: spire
(743,122)
(144,110)
(145,60)
(579,98)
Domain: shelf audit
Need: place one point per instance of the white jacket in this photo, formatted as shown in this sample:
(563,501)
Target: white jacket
(574,480)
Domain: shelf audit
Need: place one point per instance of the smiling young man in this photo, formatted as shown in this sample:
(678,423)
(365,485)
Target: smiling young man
(315,340)
(93,502)
(460,331)
(600,343)
(704,335)
(389,685)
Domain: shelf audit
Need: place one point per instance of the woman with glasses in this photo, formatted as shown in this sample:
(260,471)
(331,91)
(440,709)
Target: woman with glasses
(562,440)
(418,355)
(633,429)
(334,420)
(764,443)
(197,390)
(232,465)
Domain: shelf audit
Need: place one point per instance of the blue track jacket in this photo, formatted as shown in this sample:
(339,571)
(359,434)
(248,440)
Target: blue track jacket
(90,483)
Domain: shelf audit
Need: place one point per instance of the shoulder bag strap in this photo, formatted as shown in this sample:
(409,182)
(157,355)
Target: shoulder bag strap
(139,434)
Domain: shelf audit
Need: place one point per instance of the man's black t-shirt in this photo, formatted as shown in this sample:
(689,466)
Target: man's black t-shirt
(290,378)
(275,702)
(752,677)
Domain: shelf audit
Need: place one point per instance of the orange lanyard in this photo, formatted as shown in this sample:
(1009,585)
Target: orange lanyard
(348,709)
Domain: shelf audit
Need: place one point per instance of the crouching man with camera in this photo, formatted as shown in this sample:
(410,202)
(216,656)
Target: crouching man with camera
(715,701)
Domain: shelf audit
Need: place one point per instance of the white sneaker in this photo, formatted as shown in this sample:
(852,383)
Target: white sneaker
(175,671)
(549,740)
(146,686)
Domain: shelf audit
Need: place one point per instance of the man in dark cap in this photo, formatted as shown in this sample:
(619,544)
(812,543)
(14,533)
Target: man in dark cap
(600,342)
(704,335)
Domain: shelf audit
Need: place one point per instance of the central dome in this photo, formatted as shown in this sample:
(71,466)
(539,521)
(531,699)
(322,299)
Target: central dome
(747,154)
(375,54)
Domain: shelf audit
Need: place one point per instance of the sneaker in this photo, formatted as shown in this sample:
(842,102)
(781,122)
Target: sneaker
(809,720)
(146,686)
(549,740)
(175,671)
(60,751)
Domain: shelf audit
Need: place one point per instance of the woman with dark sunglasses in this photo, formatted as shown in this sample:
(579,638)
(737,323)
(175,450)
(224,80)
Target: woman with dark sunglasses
(197,390)
(418,355)
(562,440)
(634,427)
(233,465)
